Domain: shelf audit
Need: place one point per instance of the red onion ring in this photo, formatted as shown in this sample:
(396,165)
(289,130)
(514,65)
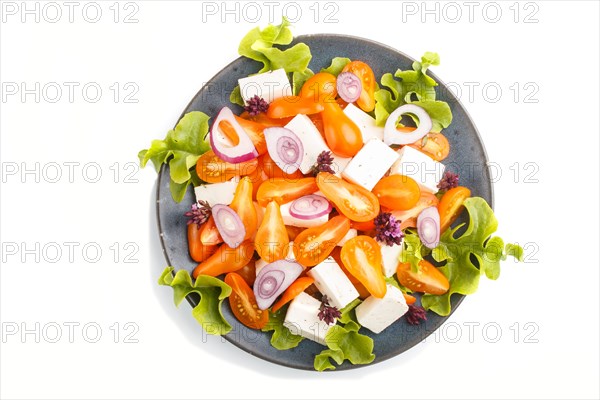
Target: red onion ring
(223,147)
(285,148)
(310,206)
(349,86)
(428,227)
(229,224)
(391,134)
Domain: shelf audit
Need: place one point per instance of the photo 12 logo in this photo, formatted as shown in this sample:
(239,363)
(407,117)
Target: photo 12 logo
(53,12)
(469,11)
(269,12)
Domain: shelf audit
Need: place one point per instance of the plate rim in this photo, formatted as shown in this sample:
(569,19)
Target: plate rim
(299,39)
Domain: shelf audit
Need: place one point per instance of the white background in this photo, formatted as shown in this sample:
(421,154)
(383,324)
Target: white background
(551,205)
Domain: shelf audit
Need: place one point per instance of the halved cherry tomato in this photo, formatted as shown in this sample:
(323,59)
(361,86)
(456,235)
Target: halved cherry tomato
(363,293)
(244,207)
(262,118)
(451,205)
(212,169)
(293,231)
(292,291)
(320,87)
(342,135)
(248,272)
(314,245)
(366,100)
(425,200)
(210,234)
(361,256)
(271,239)
(284,191)
(226,259)
(353,201)
(436,146)
(427,280)
(243,303)
(290,106)
(409,299)
(272,170)
(397,192)
(255,133)
(198,250)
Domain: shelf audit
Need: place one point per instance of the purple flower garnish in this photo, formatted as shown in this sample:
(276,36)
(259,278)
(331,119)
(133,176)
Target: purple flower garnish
(199,213)
(328,313)
(415,315)
(256,105)
(449,181)
(388,229)
(324,161)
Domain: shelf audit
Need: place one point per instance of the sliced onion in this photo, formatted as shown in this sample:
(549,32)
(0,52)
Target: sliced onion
(229,224)
(310,207)
(349,86)
(428,227)
(273,279)
(391,134)
(243,151)
(285,148)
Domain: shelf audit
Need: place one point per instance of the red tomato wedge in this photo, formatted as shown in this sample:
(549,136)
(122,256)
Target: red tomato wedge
(427,280)
(243,303)
(314,245)
(355,202)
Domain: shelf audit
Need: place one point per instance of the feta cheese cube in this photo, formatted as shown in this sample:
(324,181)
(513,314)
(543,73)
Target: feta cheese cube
(390,258)
(269,85)
(365,123)
(377,314)
(370,164)
(352,233)
(217,193)
(423,169)
(288,219)
(302,318)
(313,144)
(331,281)
(260,263)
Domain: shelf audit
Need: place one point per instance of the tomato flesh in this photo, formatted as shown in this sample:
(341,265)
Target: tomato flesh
(212,169)
(451,205)
(243,303)
(361,256)
(198,250)
(272,241)
(244,207)
(225,259)
(428,279)
(313,245)
(436,146)
(355,202)
(284,191)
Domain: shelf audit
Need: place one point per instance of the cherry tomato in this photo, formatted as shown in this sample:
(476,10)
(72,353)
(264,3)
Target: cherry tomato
(243,303)
(317,120)
(363,293)
(436,146)
(409,299)
(284,191)
(427,280)
(290,106)
(292,291)
(244,207)
(314,245)
(353,201)
(248,272)
(425,200)
(364,226)
(263,119)
(397,192)
(320,87)
(198,250)
(341,134)
(210,234)
(271,241)
(293,231)
(361,256)
(272,170)
(226,259)
(254,131)
(212,169)
(451,205)
(366,100)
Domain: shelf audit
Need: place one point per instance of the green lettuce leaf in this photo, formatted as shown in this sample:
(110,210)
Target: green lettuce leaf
(181,148)
(413,249)
(348,313)
(415,87)
(475,243)
(282,338)
(345,343)
(212,292)
(337,65)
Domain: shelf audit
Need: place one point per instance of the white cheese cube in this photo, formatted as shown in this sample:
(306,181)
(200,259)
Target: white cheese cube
(332,282)
(370,164)
(423,169)
(260,263)
(377,314)
(365,123)
(288,219)
(269,85)
(352,233)
(390,257)
(302,318)
(217,193)
(313,144)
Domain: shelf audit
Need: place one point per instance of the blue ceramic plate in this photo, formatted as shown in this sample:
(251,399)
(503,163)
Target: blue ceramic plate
(466,150)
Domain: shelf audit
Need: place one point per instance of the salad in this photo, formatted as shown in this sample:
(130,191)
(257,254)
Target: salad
(324,210)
